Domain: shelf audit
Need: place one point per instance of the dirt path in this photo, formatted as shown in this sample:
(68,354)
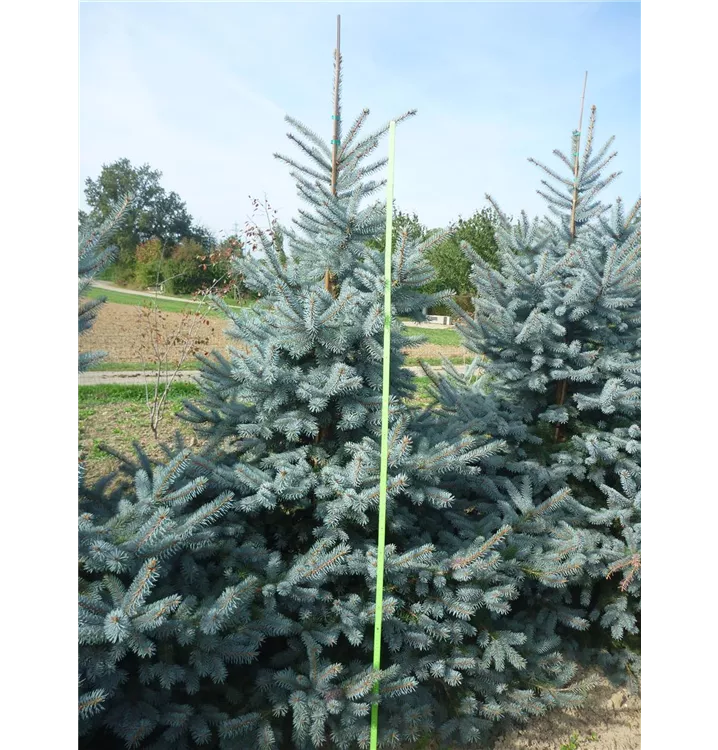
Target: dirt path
(123,332)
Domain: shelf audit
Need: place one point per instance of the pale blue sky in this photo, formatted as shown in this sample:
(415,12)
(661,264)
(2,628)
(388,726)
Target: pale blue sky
(199,90)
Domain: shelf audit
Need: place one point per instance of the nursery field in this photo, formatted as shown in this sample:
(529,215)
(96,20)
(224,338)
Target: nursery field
(123,331)
(489,527)
(116,416)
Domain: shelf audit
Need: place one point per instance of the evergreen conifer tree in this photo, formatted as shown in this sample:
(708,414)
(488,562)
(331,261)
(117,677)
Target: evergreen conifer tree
(94,254)
(227,596)
(557,338)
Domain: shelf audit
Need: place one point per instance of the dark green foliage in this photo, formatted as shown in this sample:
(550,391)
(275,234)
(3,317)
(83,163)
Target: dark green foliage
(452,268)
(190,268)
(155,212)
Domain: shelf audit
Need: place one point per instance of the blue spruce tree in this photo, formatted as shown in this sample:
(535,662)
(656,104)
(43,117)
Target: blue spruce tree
(92,259)
(557,376)
(227,595)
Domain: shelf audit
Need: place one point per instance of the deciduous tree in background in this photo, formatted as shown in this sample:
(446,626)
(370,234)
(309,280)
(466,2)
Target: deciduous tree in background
(453,270)
(155,212)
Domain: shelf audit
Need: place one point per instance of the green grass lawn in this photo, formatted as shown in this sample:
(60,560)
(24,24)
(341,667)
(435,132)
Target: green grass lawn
(421,396)
(116,417)
(438,336)
(230,300)
(166,305)
(115,393)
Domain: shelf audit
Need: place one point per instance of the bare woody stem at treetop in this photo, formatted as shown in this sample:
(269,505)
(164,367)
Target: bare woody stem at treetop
(328,283)
(576,163)
(335,137)
(562,386)
(325,431)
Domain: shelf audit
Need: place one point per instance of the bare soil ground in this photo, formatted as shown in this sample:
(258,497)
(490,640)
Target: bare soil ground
(122,332)
(611,715)
(609,720)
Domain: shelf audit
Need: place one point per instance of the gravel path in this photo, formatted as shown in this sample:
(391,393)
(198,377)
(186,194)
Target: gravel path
(139,377)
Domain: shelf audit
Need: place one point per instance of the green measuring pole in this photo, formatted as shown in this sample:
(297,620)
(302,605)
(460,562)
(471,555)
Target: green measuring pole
(384,432)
